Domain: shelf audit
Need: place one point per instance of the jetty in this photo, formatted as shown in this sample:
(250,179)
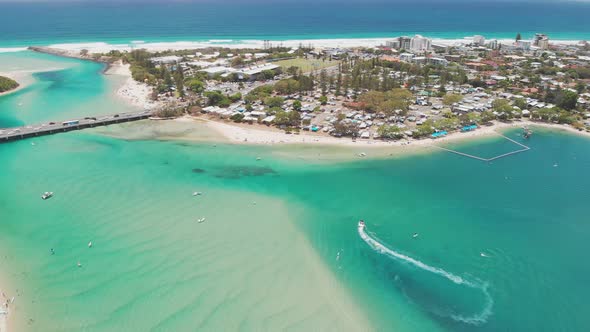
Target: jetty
(50,128)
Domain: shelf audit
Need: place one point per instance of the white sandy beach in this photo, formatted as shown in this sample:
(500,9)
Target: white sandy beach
(3,321)
(136,93)
(101,47)
(255,134)
(5,303)
(23,78)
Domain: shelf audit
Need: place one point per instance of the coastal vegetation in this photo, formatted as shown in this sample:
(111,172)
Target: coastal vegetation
(396,101)
(7,84)
(370,92)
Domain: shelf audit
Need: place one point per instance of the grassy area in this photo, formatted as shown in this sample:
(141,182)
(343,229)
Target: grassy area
(306,65)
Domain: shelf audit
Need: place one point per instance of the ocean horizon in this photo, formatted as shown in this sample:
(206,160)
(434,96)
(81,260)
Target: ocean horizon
(42,24)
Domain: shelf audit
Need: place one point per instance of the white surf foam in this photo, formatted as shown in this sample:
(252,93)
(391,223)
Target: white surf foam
(12,49)
(476,319)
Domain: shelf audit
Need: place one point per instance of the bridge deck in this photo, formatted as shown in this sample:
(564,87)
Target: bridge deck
(18,133)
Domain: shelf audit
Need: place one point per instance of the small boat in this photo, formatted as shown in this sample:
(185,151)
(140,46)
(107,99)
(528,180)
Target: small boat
(202,220)
(47,195)
(361,224)
(79,264)
(415,235)
(197,193)
(527,132)
(258,158)
(362,154)
(90,244)
(483,254)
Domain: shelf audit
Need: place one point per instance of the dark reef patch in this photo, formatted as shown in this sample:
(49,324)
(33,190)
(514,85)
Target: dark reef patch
(237,172)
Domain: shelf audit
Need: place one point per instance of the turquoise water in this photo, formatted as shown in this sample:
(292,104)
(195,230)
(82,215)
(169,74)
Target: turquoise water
(60,89)
(280,247)
(25,24)
(133,199)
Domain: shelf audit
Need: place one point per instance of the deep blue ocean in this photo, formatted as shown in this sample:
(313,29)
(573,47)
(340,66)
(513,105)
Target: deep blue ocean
(24,24)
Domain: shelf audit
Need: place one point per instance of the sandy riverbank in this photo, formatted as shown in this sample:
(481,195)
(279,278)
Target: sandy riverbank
(5,303)
(306,146)
(3,320)
(23,79)
(133,92)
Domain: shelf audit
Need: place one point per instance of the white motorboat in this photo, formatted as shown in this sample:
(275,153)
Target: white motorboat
(47,195)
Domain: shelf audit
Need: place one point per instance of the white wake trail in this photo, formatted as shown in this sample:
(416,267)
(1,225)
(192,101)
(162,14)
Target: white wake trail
(477,319)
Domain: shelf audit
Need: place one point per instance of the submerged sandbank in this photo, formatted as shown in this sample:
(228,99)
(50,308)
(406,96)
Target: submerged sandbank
(252,271)
(305,146)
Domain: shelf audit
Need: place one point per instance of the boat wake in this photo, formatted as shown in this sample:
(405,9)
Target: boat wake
(476,319)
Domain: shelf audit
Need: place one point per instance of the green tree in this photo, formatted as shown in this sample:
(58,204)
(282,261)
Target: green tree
(503,108)
(237,61)
(216,98)
(283,118)
(297,105)
(520,103)
(235,97)
(287,86)
(323,100)
(387,102)
(390,132)
(274,101)
(451,98)
(518,36)
(168,81)
(238,117)
(487,116)
(293,70)
(267,74)
(195,85)
(7,84)
(567,100)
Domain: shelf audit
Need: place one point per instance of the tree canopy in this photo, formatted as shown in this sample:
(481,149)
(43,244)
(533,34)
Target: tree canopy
(386,102)
(217,98)
(7,84)
(451,98)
